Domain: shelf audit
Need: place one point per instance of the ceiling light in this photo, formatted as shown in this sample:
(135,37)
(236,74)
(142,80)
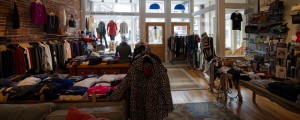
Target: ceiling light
(116,1)
(102,0)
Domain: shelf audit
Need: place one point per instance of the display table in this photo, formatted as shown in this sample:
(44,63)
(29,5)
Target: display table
(260,91)
(271,96)
(99,69)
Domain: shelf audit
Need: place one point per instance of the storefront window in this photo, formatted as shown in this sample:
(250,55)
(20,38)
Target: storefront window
(112,6)
(208,25)
(185,3)
(133,27)
(150,2)
(234,43)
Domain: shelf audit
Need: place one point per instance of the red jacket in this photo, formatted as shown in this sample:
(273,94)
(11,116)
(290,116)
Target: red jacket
(19,61)
(112,28)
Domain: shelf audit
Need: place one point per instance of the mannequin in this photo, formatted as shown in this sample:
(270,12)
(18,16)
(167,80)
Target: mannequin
(112,30)
(102,31)
(123,51)
(123,29)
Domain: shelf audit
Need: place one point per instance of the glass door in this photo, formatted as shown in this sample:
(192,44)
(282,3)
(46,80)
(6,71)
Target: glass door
(155,38)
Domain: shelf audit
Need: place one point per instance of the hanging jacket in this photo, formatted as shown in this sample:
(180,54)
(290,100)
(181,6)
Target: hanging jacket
(147,90)
(123,28)
(112,28)
(101,28)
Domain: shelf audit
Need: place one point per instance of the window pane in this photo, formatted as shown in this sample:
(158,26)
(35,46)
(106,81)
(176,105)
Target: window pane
(234,43)
(133,27)
(110,6)
(235,1)
(155,19)
(160,3)
(180,31)
(180,20)
(174,3)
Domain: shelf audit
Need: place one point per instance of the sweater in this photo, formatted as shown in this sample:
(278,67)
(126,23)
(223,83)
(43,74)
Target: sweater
(38,13)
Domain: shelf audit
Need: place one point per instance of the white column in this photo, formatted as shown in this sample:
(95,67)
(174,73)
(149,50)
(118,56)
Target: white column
(142,10)
(191,7)
(168,26)
(83,13)
(220,36)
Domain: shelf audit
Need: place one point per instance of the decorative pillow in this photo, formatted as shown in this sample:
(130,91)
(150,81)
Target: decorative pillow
(76,114)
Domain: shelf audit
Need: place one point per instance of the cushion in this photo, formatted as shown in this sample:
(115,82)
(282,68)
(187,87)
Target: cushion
(25,111)
(111,113)
(75,114)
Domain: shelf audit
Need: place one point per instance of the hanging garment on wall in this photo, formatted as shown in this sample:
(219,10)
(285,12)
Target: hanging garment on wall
(123,28)
(52,25)
(236,18)
(148,93)
(38,13)
(112,28)
(91,23)
(15,17)
(64,17)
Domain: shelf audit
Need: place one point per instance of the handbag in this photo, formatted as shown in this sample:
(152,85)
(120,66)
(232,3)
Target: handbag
(250,29)
(296,18)
(276,5)
(276,16)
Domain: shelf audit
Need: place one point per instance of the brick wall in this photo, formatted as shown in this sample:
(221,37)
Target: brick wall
(26,27)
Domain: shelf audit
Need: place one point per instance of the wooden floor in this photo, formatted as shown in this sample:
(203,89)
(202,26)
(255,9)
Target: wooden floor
(264,109)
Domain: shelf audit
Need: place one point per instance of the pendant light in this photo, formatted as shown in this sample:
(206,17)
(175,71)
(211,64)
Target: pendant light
(179,7)
(154,6)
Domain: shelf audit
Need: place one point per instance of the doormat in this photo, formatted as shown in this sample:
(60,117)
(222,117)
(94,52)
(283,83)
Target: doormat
(180,80)
(201,111)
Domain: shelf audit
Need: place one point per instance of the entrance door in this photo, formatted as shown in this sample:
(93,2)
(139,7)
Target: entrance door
(180,29)
(155,37)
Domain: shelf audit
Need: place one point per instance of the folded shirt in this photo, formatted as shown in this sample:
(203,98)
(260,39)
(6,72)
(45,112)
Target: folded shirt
(5,83)
(74,90)
(77,78)
(61,76)
(65,83)
(111,77)
(103,90)
(41,76)
(88,82)
(29,81)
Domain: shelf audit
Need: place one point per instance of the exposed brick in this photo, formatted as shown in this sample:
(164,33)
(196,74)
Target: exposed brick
(26,27)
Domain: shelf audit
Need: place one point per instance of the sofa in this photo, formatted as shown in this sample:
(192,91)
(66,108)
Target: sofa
(58,111)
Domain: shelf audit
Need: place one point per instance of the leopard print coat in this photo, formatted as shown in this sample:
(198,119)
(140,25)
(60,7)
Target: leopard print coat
(147,94)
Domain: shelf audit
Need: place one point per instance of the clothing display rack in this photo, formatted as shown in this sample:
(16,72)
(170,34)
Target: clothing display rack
(184,48)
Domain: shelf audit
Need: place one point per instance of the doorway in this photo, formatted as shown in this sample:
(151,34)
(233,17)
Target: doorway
(155,37)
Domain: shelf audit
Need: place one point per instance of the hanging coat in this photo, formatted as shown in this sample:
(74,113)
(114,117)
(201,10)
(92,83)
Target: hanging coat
(147,90)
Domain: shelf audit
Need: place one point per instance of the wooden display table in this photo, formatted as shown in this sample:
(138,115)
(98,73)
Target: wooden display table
(99,69)
(271,96)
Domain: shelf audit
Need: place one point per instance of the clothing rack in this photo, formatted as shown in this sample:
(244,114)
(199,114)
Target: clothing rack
(183,48)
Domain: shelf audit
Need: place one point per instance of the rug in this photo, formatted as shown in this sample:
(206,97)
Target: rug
(201,111)
(181,80)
